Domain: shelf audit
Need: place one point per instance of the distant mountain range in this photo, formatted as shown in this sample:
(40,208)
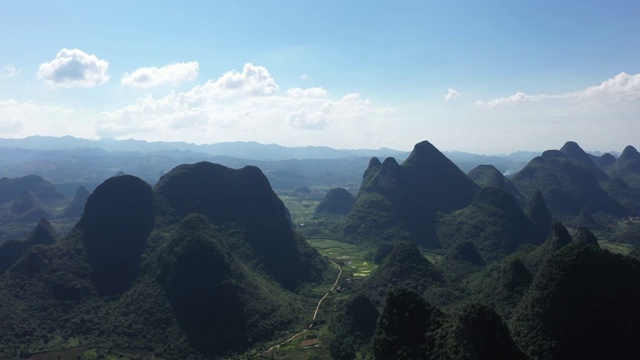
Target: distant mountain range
(239,149)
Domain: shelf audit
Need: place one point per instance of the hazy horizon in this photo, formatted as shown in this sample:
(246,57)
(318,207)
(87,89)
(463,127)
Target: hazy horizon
(474,77)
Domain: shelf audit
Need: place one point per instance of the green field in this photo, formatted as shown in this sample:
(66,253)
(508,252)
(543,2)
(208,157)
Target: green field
(350,257)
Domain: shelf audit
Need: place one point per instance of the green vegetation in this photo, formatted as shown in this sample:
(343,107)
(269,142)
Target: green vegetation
(493,222)
(210,263)
(570,189)
(400,202)
(140,271)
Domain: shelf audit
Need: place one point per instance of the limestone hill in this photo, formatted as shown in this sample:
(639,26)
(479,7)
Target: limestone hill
(244,199)
(583,304)
(570,189)
(493,222)
(489,176)
(141,271)
(400,202)
(627,167)
(76,207)
(405,266)
(338,201)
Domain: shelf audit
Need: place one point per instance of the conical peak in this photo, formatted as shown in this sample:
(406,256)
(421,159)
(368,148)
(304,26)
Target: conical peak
(81,192)
(584,235)
(390,163)
(374,163)
(559,235)
(424,151)
(43,233)
(496,197)
(571,147)
(552,154)
(574,151)
(465,252)
(487,168)
(629,153)
(607,159)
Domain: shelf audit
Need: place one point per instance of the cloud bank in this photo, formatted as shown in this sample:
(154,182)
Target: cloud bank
(149,77)
(246,103)
(621,88)
(74,68)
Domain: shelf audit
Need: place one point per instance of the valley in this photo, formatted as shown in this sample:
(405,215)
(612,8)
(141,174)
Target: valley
(216,262)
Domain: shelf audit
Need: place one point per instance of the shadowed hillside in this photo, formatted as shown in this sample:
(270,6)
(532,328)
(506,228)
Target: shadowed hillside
(493,222)
(489,176)
(242,198)
(627,167)
(583,304)
(570,189)
(138,273)
(400,202)
(338,201)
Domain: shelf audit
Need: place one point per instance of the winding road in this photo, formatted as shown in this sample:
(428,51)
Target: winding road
(315,313)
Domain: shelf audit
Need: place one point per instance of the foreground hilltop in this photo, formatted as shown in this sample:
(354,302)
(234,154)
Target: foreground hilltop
(206,264)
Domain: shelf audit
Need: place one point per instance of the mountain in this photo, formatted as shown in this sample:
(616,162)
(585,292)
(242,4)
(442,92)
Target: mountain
(118,218)
(502,285)
(400,202)
(76,207)
(573,151)
(583,304)
(405,266)
(412,328)
(406,326)
(353,327)
(204,265)
(12,250)
(570,189)
(488,175)
(628,196)
(493,222)
(241,198)
(239,149)
(43,190)
(627,167)
(338,201)
(538,212)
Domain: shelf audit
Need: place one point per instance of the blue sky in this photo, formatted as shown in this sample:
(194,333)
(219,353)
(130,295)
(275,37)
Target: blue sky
(478,76)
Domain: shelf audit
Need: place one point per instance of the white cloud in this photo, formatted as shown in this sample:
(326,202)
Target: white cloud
(153,76)
(314,92)
(305,119)
(621,88)
(239,106)
(304,77)
(74,68)
(253,81)
(451,94)
(26,118)
(9,71)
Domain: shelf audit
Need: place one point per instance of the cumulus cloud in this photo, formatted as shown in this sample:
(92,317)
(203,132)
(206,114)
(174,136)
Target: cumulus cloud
(451,94)
(621,88)
(74,68)
(314,92)
(25,118)
(306,119)
(153,76)
(9,71)
(253,80)
(245,103)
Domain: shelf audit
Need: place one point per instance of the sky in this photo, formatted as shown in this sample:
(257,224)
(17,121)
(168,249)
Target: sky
(487,77)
